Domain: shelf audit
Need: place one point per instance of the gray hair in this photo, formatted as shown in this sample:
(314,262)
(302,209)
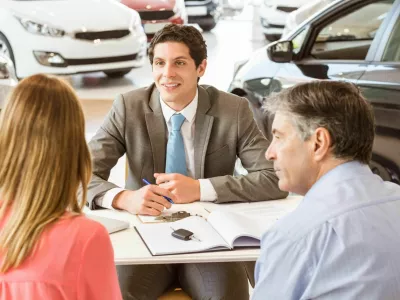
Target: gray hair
(336,106)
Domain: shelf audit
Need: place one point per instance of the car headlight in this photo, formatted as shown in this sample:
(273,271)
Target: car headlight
(42,29)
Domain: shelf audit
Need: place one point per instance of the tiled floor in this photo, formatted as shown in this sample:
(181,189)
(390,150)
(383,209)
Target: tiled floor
(232,40)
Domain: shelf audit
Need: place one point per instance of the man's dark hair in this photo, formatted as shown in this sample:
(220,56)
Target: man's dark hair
(336,106)
(185,34)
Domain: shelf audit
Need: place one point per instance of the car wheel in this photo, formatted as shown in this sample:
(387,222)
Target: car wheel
(208,27)
(5,48)
(117,74)
(272,37)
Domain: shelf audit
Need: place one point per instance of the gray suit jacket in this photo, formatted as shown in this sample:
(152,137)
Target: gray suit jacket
(224,129)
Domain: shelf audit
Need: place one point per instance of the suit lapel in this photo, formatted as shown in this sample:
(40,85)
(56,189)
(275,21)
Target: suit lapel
(203,126)
(157,130)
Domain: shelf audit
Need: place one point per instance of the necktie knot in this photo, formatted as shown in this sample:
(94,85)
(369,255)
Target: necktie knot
(177,121)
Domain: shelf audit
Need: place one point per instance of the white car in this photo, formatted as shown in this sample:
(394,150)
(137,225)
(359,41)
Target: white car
(7,78)
(303,13)
(273,14)
(71,36)
(234,5)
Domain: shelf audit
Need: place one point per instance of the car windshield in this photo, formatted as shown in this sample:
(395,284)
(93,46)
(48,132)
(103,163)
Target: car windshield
(359,25)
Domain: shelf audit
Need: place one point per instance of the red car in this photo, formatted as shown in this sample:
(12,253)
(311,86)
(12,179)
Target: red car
(157,13)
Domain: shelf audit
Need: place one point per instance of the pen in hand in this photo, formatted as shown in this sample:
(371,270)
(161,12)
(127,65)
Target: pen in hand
(169,199)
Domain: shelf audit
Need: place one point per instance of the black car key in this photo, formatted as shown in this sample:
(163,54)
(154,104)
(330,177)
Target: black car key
(183,234)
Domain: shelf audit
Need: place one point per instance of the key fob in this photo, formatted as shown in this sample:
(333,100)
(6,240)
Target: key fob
(182,234)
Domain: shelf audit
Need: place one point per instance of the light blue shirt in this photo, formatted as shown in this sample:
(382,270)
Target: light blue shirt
(342,242)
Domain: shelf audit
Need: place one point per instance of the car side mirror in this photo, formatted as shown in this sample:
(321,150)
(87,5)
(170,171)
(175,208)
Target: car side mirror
(280,51)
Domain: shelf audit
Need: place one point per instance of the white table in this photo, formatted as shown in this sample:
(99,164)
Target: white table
(129,248)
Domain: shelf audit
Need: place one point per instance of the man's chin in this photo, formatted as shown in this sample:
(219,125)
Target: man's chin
(283,186)
(168,97)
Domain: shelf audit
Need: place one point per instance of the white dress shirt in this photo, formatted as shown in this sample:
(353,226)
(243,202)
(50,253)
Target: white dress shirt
(342,242)
(207,191)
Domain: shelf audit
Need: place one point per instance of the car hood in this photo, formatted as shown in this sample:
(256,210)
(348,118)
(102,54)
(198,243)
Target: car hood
(150,4)
(73,15)
(258,66)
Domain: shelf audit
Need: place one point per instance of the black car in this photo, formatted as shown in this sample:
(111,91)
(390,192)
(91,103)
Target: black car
(206,13)
(351,40)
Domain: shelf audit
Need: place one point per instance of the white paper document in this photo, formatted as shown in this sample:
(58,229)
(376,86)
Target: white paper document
(231,226)
(222,230)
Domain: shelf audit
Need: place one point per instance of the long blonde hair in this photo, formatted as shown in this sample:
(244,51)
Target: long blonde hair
(44,160)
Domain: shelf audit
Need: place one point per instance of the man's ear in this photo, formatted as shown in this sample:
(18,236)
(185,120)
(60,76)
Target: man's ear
(322,143)
(202,68)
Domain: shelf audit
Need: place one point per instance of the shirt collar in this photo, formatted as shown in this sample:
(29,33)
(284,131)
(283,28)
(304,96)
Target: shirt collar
(189,112)
(343,172)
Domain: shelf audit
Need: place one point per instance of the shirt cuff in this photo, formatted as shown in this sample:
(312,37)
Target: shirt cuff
(109,197)
(207,191)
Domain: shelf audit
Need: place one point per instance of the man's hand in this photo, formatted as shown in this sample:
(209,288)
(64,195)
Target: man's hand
(185,189)
(147,200)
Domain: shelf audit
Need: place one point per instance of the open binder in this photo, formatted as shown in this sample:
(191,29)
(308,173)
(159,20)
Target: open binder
(222,230)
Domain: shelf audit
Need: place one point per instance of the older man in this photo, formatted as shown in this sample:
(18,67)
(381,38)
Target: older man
(343,240)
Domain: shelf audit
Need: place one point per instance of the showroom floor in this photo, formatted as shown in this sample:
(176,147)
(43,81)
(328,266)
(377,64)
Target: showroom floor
(232,40)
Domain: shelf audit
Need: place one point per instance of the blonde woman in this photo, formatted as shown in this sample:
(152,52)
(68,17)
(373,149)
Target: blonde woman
(48,249)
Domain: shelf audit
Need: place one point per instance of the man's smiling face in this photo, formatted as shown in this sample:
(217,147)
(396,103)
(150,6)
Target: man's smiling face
(175,74)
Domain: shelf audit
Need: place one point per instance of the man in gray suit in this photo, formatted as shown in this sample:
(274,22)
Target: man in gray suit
(191,162)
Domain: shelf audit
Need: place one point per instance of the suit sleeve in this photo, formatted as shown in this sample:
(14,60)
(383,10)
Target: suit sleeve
(107,146)
(97,277)
(261,182)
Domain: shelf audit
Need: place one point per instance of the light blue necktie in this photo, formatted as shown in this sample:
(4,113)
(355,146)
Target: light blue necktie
(176,158)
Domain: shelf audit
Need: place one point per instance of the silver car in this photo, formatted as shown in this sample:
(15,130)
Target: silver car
(8,78)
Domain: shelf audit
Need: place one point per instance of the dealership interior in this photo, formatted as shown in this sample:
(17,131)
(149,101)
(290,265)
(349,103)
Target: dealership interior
(182,206)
